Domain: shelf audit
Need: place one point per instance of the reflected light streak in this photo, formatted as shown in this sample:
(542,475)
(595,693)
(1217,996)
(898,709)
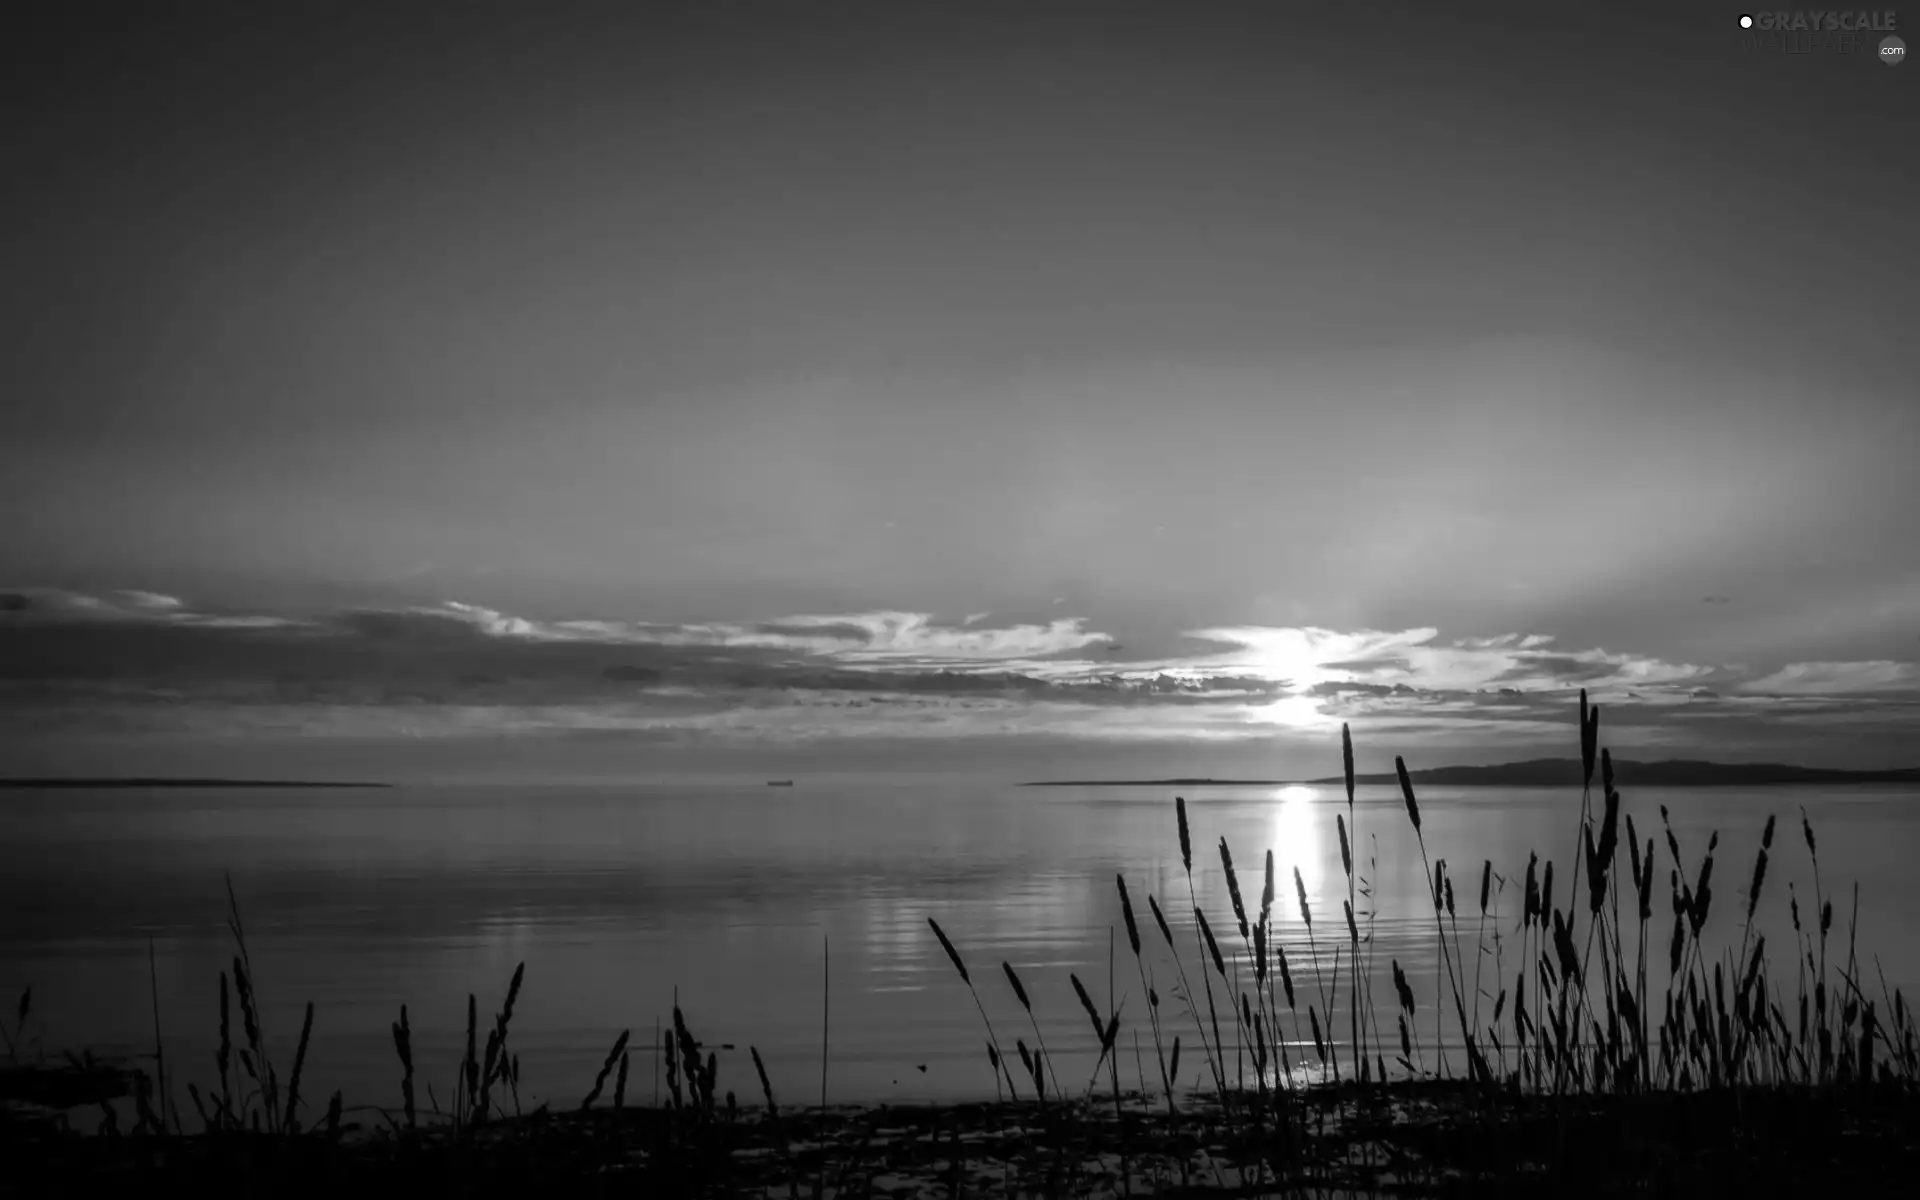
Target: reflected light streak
(1295,839)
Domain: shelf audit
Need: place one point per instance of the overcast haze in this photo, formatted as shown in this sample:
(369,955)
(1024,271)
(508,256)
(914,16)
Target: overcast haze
(490,391)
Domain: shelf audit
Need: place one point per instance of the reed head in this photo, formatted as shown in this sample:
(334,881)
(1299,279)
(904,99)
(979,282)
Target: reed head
(1020,992)
(1406,791)
(1126,911)
(1346,759)
(946,945)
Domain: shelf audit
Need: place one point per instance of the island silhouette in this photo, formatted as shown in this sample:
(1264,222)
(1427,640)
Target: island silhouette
(1557,772)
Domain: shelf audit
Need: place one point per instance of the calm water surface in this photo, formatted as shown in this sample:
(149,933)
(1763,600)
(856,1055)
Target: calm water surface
(614,898)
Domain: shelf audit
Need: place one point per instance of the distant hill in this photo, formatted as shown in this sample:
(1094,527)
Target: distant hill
(1556,772)
(180,783)
(1565,772)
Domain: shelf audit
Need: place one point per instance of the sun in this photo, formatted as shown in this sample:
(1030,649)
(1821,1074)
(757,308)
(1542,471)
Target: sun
(1296,712)
(1291,656)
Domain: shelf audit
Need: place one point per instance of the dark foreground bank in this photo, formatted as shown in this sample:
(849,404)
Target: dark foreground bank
(1402,1139)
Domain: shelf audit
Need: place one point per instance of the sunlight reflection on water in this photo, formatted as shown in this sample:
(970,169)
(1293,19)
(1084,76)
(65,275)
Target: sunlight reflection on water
(1295,838)
(619,899)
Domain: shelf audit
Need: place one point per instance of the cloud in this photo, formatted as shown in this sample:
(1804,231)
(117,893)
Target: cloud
(915,636)
(630,674)
(62,635)
(1362,666)
(135,662)
(872,637)
(1837,678)
(58,605)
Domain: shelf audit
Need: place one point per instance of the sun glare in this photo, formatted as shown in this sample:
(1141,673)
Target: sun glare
(1295,712)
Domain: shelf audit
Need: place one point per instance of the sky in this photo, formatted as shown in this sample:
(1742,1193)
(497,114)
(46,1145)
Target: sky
(492,391)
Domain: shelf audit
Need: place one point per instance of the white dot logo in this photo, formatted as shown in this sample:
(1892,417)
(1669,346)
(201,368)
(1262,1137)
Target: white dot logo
(1893,51)
(1746,22)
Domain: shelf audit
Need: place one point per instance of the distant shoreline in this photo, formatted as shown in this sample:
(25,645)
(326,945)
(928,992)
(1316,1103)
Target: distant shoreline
(1556,772)
(182,783)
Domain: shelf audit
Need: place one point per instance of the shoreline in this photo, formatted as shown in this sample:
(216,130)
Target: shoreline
(1404,1138)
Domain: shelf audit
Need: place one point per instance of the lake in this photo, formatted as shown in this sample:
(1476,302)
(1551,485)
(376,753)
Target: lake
(758,904)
